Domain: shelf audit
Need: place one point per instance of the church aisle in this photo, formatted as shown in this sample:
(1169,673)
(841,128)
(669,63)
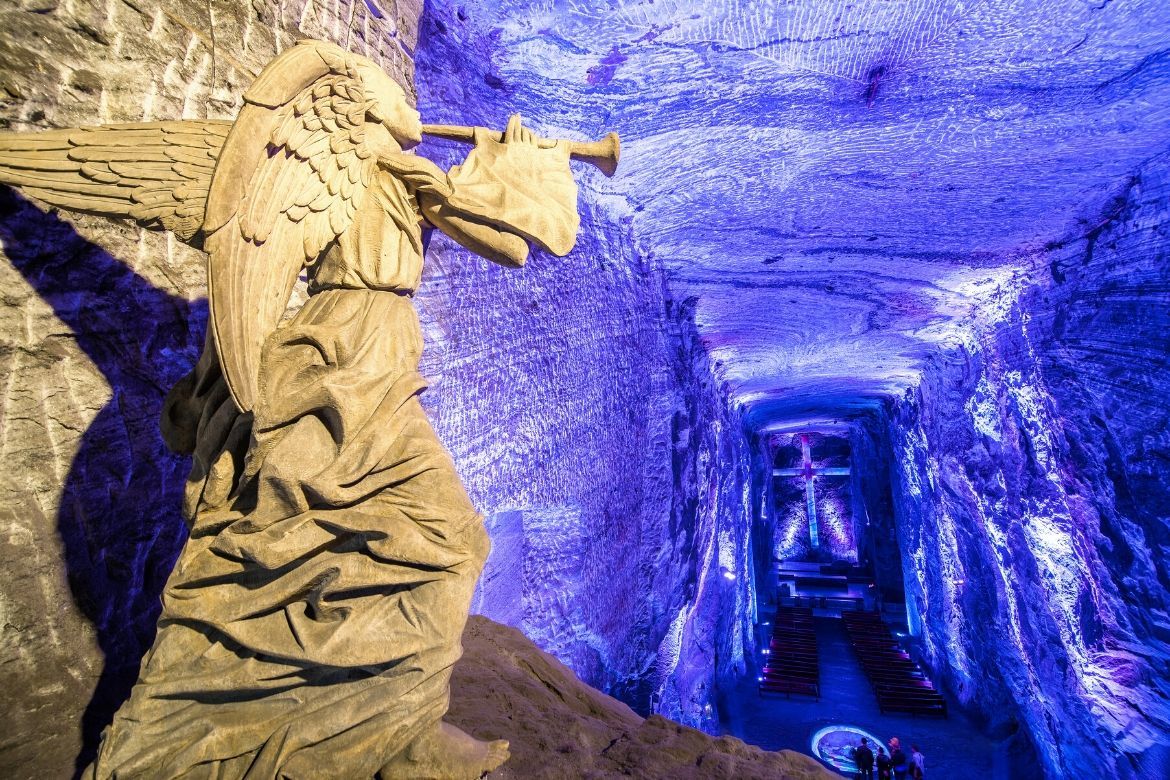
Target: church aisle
(954,747)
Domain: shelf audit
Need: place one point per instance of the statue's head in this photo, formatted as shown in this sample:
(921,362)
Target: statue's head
(388,104)
(321,77)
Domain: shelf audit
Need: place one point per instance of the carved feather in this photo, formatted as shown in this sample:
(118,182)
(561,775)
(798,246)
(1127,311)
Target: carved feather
(156,173)
(291,176)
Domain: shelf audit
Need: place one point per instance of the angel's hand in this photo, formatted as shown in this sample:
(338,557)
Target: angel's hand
(419,174)
(516,132)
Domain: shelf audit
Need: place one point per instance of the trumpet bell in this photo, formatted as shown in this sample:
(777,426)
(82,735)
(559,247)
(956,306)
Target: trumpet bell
(603,155)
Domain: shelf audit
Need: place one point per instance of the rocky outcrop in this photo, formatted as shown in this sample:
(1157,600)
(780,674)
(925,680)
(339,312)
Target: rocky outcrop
(557,727)
(1033,500)
(843,194)
(825,210)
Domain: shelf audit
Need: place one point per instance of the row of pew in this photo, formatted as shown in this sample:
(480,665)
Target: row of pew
(897,680)
(793,665)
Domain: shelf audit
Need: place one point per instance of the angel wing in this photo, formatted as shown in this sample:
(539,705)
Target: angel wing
(264,195)
(291,176)
(157,174)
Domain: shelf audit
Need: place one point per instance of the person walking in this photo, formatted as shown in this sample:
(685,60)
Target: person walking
(863,757)
(898,761)
(917,763)
(883,765)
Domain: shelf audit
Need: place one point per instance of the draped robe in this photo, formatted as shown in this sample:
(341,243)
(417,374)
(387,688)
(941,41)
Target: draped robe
(311,622)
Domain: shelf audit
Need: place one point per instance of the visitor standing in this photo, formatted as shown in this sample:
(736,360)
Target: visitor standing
(883,765)
(917,763)
(863,757)
(898,760)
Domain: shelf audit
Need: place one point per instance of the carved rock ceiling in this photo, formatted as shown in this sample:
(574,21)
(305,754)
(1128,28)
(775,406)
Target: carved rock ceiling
(846,186)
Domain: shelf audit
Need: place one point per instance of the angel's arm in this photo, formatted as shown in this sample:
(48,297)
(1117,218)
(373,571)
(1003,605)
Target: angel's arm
(432,188)
(512,193)
(479,237)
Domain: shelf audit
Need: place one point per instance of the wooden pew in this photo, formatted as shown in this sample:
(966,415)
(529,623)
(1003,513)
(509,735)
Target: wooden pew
(792,665)
(915,705)
(791,669)
(806,671)
(898,682)
(788,687)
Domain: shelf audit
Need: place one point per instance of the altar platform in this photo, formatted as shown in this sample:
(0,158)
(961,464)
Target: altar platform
(827,587)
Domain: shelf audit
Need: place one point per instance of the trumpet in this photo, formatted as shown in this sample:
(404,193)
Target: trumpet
(602,154)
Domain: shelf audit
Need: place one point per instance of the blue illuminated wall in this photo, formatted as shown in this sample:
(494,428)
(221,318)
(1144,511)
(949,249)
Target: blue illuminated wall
(1033,498)
(944,220)
(582,412)
(807,223)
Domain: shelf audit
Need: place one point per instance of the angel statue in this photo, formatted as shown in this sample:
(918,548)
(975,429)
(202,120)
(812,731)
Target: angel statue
(312,619)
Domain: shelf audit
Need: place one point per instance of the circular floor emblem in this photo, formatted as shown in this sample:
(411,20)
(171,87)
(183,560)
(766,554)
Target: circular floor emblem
(835,745)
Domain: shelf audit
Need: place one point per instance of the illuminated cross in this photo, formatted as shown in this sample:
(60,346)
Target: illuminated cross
(808,472)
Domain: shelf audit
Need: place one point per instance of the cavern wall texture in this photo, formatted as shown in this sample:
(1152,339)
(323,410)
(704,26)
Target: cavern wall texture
(97,321)
(580,408)
(874,506)
(1033,468)
(838,187)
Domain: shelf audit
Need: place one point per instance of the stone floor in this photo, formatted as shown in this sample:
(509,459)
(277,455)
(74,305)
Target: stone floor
(954,747)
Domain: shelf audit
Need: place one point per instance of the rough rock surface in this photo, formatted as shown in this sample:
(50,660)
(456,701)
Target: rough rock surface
(97,321)
(580,406)
(574,394)
(940,222)
(836,183)
(837,523)
(1033,495)
(557,727)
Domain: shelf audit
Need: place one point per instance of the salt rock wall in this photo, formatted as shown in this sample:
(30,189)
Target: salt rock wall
(579,405)
(873,505)
(97,321)
(1033,474)
(837,536)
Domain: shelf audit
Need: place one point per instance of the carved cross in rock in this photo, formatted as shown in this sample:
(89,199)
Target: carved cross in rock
(808,471)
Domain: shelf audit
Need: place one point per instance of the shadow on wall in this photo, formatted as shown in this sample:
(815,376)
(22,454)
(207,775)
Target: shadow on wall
(119,518)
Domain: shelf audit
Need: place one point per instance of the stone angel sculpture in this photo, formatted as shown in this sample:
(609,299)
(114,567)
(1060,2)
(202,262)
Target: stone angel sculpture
(311,622)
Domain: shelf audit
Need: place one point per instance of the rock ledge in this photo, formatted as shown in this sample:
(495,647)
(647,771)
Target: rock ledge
(507,688)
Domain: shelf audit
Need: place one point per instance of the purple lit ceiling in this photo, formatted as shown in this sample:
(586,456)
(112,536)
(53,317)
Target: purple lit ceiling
(842,185)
